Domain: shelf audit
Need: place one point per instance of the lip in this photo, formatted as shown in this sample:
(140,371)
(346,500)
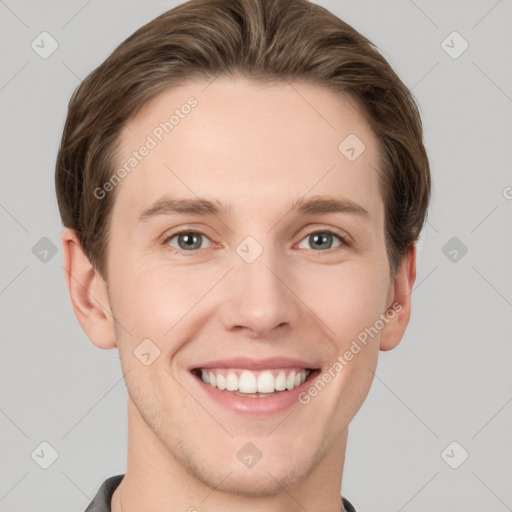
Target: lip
(255,407)
(255,364)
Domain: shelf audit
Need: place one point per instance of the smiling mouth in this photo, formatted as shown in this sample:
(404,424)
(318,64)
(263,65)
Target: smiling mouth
(256,384)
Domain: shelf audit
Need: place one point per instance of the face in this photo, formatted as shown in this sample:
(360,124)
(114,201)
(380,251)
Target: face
(253,275)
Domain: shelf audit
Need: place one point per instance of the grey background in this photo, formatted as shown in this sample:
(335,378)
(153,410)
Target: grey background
(450,378)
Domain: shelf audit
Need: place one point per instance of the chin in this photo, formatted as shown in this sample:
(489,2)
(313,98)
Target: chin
(257,482)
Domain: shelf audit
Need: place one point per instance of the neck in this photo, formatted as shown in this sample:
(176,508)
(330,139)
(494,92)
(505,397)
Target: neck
(156,480)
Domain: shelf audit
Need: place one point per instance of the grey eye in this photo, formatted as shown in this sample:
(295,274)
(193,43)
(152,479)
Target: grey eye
(187,241)
(322,239)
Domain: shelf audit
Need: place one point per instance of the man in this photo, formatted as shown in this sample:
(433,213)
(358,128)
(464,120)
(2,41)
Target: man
(242,184)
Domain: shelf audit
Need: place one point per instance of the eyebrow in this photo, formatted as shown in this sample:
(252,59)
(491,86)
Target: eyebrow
(201,206)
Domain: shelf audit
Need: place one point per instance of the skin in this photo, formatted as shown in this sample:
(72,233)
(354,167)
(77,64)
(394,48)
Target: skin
(258,147)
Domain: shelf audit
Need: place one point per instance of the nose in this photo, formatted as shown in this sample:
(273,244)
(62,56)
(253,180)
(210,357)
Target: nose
(260,296)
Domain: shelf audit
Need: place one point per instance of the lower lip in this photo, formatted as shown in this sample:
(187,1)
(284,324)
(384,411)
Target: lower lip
(257,406)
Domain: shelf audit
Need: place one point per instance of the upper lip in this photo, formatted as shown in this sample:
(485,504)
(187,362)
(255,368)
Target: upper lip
(255,364)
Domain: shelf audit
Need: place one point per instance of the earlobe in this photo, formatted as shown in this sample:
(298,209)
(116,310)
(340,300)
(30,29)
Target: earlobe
(399,307)
(88,293)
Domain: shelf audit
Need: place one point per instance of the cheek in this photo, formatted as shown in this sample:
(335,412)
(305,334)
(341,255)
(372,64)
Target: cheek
(150,303)
(347,300)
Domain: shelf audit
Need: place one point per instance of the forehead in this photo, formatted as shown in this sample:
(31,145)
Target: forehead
(252,145)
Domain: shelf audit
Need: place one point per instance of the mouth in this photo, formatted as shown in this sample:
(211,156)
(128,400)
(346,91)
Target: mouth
(254,388)
(247,383)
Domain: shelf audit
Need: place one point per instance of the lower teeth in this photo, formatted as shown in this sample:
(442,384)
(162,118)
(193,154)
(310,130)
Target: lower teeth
(256,395)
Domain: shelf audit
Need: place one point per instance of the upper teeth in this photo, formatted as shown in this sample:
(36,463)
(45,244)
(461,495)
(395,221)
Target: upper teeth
(247,381)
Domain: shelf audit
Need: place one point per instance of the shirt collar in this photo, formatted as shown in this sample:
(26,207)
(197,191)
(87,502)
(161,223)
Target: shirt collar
(101,502)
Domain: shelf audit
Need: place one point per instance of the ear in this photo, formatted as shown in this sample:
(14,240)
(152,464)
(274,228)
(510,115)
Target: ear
(88,293)
(399,296)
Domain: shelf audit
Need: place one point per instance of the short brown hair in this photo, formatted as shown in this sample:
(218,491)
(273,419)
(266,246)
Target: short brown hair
(265,40)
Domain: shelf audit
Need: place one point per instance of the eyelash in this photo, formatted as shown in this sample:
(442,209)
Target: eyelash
(343,240)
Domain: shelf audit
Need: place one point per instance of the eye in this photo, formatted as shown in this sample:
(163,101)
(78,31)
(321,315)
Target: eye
(323,239)
(191,241)
(186,240)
